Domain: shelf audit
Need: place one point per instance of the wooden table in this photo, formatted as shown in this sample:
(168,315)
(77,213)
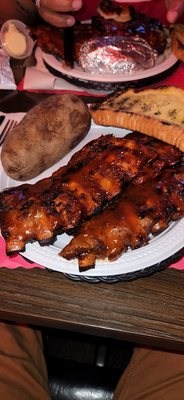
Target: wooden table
(147,310)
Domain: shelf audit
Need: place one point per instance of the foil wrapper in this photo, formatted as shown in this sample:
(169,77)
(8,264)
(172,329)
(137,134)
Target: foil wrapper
(116,55)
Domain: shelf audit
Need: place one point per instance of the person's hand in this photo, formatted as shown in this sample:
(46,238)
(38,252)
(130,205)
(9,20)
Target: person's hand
(175,9)
(58,12)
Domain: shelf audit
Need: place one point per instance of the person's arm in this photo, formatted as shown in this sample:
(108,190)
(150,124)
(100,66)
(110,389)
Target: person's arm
(56,12)
(52,11)
(24,10)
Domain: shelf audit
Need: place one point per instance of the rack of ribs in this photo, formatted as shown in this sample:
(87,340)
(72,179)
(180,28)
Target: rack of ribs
(93,177)
(50,38)
(128,222)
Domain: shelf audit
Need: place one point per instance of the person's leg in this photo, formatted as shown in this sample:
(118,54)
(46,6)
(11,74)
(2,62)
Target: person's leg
(152,375)
(23,372)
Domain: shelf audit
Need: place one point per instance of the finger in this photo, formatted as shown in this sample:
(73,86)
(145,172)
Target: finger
(56,19)
(62,5)
(175,10)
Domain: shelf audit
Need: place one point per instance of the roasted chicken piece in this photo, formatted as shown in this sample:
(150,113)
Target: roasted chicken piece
(128,222)
(118,12)
(49,38)
(94,176)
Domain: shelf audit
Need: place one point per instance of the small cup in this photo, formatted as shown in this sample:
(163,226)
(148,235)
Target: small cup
(22,28)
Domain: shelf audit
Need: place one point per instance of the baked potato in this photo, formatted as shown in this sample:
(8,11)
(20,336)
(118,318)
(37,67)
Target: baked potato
(44,136)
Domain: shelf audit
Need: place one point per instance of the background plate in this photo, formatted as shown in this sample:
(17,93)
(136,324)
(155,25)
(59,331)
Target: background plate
(163,67)
(162,249)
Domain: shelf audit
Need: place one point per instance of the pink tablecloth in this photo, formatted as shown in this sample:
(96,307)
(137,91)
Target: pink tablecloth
(14,261)
(175,79)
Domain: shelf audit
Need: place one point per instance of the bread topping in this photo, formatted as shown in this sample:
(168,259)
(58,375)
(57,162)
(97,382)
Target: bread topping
(15,41)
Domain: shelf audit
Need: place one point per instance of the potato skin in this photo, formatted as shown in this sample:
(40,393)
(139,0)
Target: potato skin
(44,136)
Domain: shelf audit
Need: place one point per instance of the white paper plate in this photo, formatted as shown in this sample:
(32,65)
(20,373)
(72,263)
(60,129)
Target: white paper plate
(160,248)
(164,62)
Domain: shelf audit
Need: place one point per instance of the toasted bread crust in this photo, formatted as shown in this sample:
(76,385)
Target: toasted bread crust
(157,129)
(133,110)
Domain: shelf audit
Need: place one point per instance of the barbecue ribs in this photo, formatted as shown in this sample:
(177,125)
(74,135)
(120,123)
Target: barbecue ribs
(50,39)
(128,222)
(94,176)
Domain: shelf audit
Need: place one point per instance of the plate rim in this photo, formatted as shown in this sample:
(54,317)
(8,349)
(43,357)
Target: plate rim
(52,252)
(130,276)
(52,61)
